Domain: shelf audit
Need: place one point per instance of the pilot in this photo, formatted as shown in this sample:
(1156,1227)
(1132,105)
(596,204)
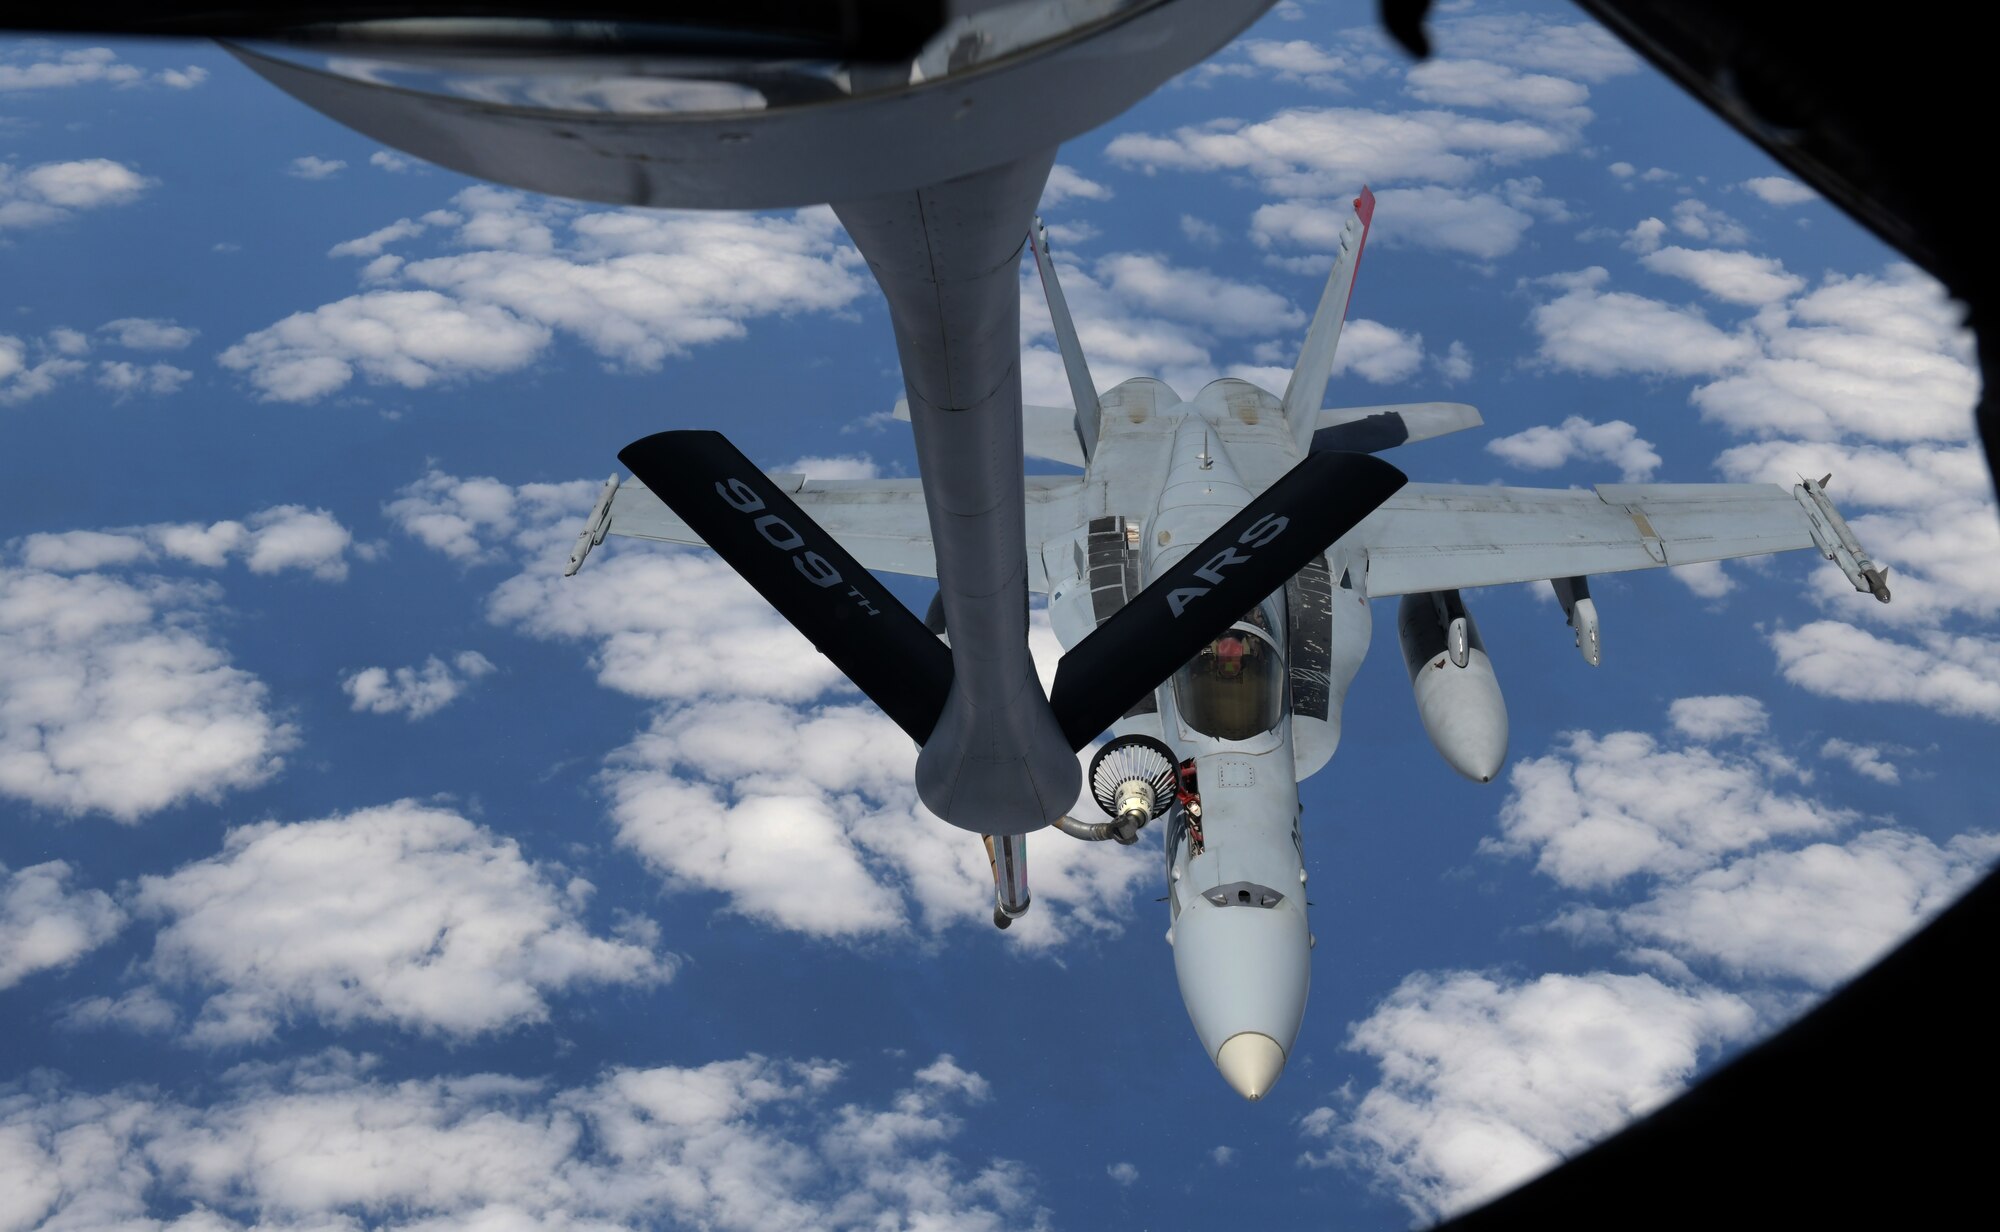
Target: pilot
(1227,655)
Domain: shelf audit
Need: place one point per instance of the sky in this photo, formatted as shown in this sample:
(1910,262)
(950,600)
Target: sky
(358,870)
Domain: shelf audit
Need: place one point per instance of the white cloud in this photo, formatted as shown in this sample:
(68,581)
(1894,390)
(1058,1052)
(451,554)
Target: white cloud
(637,287)
(1200,231)
(1704,222)
(1735,277)
(1067,183)
(1581,49)
(836,466)
(1608,333)
(806,819)
(1482,83)
(111,699)
(44,923)
(40,67)
(799,812)
(1954,674)
(482,519)
(1151,283)
(142,1011)
(67,342)
(1879,357)
(52,192)
(125,379)
(1330,151)
(1614,442)
(1455,364)
(1467,222)
(1599,809)
(313,167)
(416,692)
(1124,1173)
(1622,170)
(1377,352)
(1818,914)
(1485,1084)
(1779,190)
(401,914)
(410,338)
(273,540)
(1718,717)
(1864,759)
(1705,579)
(387,161)
(149,333)
(735,1146)
(372,244)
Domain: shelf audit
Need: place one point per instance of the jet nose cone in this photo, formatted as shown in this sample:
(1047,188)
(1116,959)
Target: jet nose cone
(1250,1062)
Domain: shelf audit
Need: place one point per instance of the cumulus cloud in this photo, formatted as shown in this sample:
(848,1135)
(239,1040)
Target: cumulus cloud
(410,338)
(402,914)
(53,192)
(1778,190)
(1718,717)
(806,818)
(149,333)
(1615,442)
(1880,357)
(1325,152)
(1123,1172)
(1066,183)
(1580,49)
(635,287)
(1955,674)
(124,378)
(1701,221)
(388,161)
(481,519)
(1864,759)
(1735,277)
(44,923)
(40,66)
(1609,333)
(1486,1083)
(112,700)
(1706,579)
(313,167)
(269,541)
(1479,224)
(1598,809)
(1817,914)
(736,1146)
(1152,284)
(416,692)
(794,810)
(1485,84)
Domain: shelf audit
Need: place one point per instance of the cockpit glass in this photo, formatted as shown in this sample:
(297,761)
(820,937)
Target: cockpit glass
(1234,688)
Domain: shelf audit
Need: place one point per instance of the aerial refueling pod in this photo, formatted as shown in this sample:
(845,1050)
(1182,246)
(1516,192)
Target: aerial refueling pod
(1458,697)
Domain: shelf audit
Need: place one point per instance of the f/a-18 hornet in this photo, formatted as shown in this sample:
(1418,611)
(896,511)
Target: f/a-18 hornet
(1209,575)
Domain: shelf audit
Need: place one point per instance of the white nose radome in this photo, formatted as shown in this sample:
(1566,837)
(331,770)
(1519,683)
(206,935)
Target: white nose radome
(1250,1062)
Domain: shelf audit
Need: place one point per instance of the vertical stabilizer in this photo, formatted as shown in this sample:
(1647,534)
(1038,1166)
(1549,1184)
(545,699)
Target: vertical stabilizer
(1080,387)
(1307,391)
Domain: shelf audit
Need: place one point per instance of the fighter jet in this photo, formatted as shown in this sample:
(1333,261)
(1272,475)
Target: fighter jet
(1209,576)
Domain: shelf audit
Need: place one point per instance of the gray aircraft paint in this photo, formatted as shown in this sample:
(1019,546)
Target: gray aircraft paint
(1163,474)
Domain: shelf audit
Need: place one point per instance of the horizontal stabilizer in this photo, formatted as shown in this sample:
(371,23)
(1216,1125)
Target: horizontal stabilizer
(1371,429)
(1189,605)
(802,570)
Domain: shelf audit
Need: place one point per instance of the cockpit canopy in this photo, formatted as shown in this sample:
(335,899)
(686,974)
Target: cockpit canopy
(1235,688)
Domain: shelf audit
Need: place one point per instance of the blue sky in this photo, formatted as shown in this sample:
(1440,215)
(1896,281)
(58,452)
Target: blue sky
(356,868)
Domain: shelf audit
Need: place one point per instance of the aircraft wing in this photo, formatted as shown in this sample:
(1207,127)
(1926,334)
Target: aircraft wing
(1433,536)
(881,522)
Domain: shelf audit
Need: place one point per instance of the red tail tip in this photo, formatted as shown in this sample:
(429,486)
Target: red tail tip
(1364,206)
